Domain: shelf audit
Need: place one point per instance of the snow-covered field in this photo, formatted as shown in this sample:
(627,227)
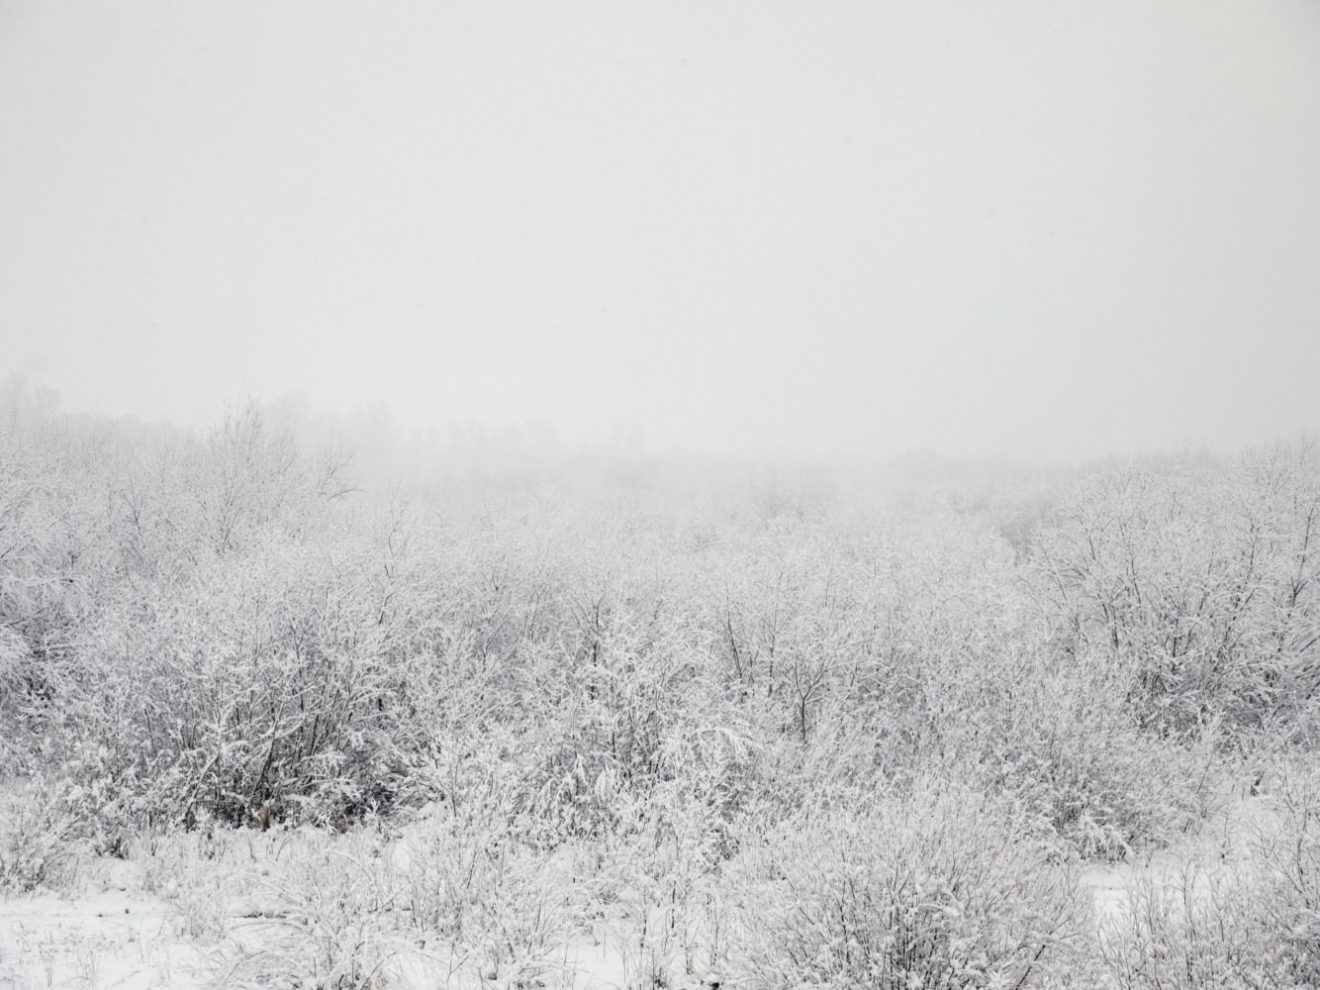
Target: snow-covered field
(139,924)
(204,912)
(110,933)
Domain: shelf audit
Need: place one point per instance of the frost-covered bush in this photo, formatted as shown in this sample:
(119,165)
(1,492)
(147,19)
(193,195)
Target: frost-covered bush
(324,916)
(268,685)
(1059,738)
(933,889)
(198,873)
(1291,864)
(490,903)
(1200,931)
(16,667)
(37,840)
(1250,921)
(189,624)
(1203,578)
(658,881)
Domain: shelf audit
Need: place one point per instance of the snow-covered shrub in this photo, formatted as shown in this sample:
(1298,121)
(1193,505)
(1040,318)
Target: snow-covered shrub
(1058,738)
(1249,921)
(1203,930)
(1202,578)
(264,687)
(486,900)
(657,883)
(933,889)
(36,840)
(16,667)
(1291,857)
(324,916)
(16,681)
(198,873)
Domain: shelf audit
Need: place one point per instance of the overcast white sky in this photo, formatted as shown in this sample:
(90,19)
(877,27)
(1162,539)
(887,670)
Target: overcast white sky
(1041,230)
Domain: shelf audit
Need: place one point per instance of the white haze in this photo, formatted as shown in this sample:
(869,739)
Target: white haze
(1036,230)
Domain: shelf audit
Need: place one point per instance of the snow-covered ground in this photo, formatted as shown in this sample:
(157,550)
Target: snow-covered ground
(112,935)
(251,909)
(120,939)
(189,917)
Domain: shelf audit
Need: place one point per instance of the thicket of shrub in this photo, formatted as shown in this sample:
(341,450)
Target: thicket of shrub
(223,630)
